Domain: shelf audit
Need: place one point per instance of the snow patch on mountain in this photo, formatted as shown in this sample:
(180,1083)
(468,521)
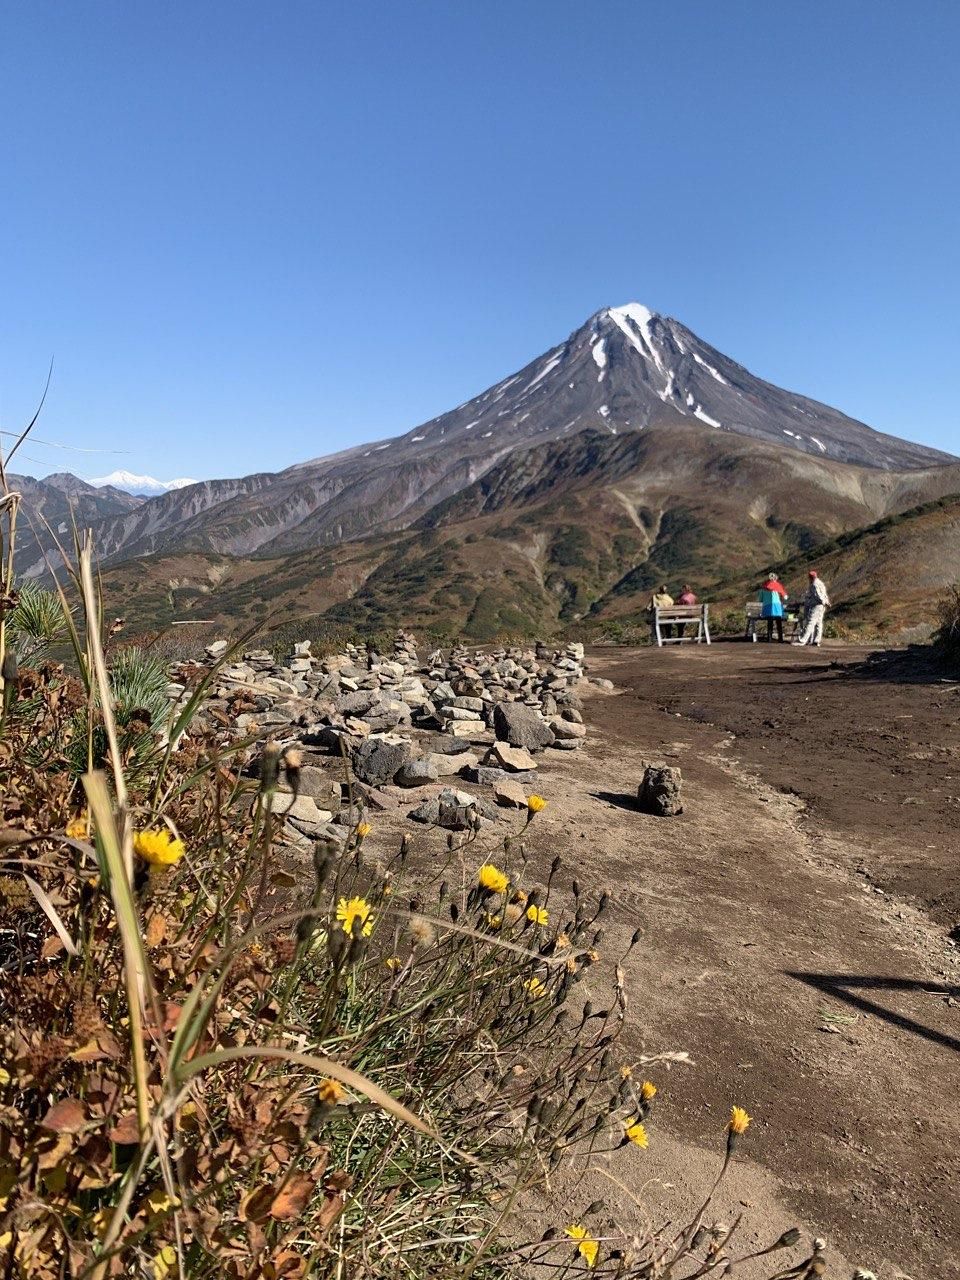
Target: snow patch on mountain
(140,485)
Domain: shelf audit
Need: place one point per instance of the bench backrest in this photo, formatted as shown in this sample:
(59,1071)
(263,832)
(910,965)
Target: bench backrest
(682,612)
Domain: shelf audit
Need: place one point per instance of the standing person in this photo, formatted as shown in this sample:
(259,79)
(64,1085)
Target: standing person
(686,596)
(773,597)
(817,602)
(662,599)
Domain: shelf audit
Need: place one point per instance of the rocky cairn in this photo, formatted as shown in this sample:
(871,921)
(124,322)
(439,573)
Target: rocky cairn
(402,730)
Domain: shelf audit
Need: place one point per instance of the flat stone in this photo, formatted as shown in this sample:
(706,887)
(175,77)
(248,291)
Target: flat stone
(488,777)
(510,794)
(513,759)
(460,713)
(303,808)
(217,649)
(450,766)
(468,704)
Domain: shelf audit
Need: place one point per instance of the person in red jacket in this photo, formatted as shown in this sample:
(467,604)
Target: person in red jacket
(773,597)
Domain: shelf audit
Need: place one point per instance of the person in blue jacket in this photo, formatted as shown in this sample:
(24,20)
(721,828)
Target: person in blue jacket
(773,597)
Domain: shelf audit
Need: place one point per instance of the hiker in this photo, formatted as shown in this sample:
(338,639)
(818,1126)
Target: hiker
(817,602)
(662,599)
(686,596)
(773,597)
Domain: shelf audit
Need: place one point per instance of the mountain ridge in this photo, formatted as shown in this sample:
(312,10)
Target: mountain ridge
(624,370)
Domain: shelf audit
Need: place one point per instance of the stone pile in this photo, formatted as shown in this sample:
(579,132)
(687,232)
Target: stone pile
(406,728)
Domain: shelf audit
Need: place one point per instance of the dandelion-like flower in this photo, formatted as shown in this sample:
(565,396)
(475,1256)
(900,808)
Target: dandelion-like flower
(587,1247)
(330,1091)
(492,878)
(421,932)
(160,848)
(363,830)
(637,1133)
(537,915)
(76,828)
(352,910)
(535,803)
(534,987)
(648,1090)
(738,1120)
(392,963)
(494,921)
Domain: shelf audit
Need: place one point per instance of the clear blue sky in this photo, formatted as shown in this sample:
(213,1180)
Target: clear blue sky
(253,233)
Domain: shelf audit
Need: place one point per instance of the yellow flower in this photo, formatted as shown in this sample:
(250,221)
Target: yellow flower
(537,915)
(494,921)
(738,1120)
(77,827)
(160,848)
(536,803)
(535,987)
(492,878)
(392,962)
(330,1091)
(164,1262)
(636,1133)
(159,1203)
(648,1091)
(363,830)
(348,912)
(587,1247)
(626,1071)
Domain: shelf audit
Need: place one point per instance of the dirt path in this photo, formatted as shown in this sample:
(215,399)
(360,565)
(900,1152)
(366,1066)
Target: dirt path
(799,990)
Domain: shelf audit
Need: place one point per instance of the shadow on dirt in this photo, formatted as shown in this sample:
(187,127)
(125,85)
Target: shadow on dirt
(845,985)
(618,800)
(917,664)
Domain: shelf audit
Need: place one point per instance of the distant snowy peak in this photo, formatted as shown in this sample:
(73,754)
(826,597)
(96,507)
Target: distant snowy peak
(145,486)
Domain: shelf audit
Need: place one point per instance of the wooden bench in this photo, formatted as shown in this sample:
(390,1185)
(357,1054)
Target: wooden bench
(682,615)
(791,619)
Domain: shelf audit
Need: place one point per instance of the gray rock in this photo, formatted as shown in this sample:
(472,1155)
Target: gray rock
(417,773)
(568,728)
(217,649)
(378,758)
(449,766)
(486,776)
(520,726)
(513,759)
(659,792)
(443,744)
(510,794)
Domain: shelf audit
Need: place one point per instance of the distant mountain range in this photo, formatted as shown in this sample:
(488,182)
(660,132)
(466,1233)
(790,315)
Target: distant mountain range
(143,486)
(631,451)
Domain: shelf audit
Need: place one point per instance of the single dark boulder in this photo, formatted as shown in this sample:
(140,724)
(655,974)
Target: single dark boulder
(520,726)
(659,792)
(378,758)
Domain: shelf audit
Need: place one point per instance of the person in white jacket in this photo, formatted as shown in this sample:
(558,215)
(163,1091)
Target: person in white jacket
(817,602)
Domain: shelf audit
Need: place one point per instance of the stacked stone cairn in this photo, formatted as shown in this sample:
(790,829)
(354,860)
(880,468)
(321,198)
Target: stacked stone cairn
(401,730)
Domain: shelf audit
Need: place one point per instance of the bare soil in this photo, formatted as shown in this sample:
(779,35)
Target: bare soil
(795,919)
(796,941)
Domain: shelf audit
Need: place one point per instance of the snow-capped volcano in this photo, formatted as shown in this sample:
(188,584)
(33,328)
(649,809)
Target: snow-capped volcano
(144,486)
(628,368)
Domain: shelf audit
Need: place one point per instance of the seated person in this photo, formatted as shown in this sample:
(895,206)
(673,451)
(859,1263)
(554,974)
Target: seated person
(773,597)
(661,599)
(686,596)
